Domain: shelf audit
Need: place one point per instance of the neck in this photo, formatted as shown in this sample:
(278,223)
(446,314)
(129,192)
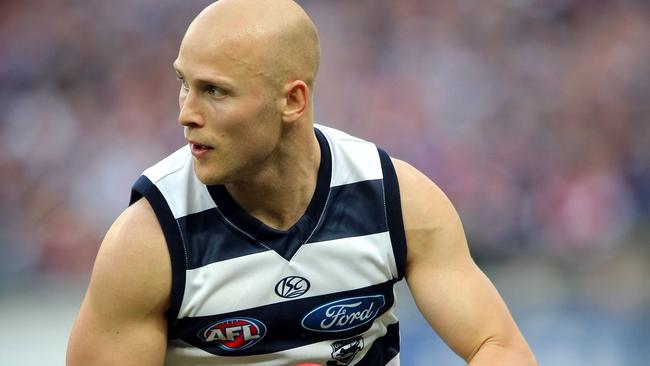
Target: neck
(280,192)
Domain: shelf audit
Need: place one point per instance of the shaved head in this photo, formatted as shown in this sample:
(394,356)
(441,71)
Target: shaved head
(246,69)
(274,39)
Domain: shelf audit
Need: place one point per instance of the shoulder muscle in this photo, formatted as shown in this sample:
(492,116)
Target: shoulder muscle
(121,320)
(133,263)
(431,222)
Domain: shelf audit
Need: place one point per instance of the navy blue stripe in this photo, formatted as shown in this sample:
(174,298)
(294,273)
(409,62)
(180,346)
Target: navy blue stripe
(383,349)
(210,239)
(353,210)
(394,213)
(282,321)
(143,187)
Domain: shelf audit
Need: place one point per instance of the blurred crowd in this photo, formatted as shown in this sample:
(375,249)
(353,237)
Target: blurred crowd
(533,115)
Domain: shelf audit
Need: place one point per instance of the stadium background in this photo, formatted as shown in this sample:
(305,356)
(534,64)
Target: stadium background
(533,115)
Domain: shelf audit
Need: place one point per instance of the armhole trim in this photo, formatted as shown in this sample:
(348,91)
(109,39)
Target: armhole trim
(394,213)
(143,187)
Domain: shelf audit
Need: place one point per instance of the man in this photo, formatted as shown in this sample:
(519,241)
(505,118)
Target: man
(267,241)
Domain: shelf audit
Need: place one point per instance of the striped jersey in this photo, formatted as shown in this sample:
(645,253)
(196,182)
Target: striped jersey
(322,291)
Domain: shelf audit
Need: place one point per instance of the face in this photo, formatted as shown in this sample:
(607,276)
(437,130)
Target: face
(228,109)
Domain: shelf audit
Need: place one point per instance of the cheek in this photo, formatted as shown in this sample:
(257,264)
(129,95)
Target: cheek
(244,117)
(255,130)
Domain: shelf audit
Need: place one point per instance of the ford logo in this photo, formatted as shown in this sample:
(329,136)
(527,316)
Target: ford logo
(293,286)
(345,314)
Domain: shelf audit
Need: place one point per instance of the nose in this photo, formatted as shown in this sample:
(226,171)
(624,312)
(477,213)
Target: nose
(190,109)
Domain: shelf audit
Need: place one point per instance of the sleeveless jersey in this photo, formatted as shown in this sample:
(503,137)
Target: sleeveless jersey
(322,292)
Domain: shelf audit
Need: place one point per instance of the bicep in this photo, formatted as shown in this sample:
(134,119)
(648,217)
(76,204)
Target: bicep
(96,340)
(121,320)
(452,293)
(461,304)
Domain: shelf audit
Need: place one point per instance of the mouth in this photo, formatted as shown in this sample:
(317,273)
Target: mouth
(200,147)
(199,150)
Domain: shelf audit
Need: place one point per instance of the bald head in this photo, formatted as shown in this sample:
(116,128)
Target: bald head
(274,39)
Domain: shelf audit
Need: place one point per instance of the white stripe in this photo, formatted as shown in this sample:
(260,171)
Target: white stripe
(175,161)
(249,281)
(175,174)
(336,134)
(180,353)
(347,152)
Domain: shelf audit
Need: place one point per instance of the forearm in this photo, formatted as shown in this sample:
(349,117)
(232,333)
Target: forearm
(495,354)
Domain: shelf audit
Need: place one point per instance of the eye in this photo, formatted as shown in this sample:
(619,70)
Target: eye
(215,91)
(184,85)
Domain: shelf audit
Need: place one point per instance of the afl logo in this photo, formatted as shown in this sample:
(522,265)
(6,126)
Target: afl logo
(292,286)
(234,334)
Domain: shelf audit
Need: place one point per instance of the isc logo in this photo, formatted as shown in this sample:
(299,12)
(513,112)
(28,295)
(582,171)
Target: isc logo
(292,286)
(234,334)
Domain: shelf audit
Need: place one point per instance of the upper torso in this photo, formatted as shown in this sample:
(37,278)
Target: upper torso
(245,294)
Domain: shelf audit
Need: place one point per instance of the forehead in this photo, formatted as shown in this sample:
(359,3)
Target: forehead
(212,54)
(232,46)
(234,55)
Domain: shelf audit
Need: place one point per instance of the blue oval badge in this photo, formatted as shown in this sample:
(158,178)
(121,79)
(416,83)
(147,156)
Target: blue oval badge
(344,314)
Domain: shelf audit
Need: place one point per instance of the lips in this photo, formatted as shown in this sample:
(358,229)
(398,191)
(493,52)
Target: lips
(199,150)
(200,147)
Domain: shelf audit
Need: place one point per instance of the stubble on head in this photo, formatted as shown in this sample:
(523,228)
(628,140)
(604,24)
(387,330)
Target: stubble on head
(263,44)
(274,40)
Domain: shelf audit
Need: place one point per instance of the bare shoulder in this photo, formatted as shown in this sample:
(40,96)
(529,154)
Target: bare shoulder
(122,318)
(133,266)
(434,233)
(424,204)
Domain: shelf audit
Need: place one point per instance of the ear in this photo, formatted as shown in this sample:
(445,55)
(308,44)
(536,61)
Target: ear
(296,100)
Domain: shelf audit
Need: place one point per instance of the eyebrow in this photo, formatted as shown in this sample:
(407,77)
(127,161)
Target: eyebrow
(218,81)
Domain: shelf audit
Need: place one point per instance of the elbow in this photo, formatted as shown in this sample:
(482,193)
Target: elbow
(528,359)
(524,356)
(531,360)
(495,353)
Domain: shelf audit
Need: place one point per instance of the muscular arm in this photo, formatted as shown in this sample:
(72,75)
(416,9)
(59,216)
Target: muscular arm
(121,320)
(452,293)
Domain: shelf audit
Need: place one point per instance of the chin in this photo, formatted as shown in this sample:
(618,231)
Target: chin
(208,176)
